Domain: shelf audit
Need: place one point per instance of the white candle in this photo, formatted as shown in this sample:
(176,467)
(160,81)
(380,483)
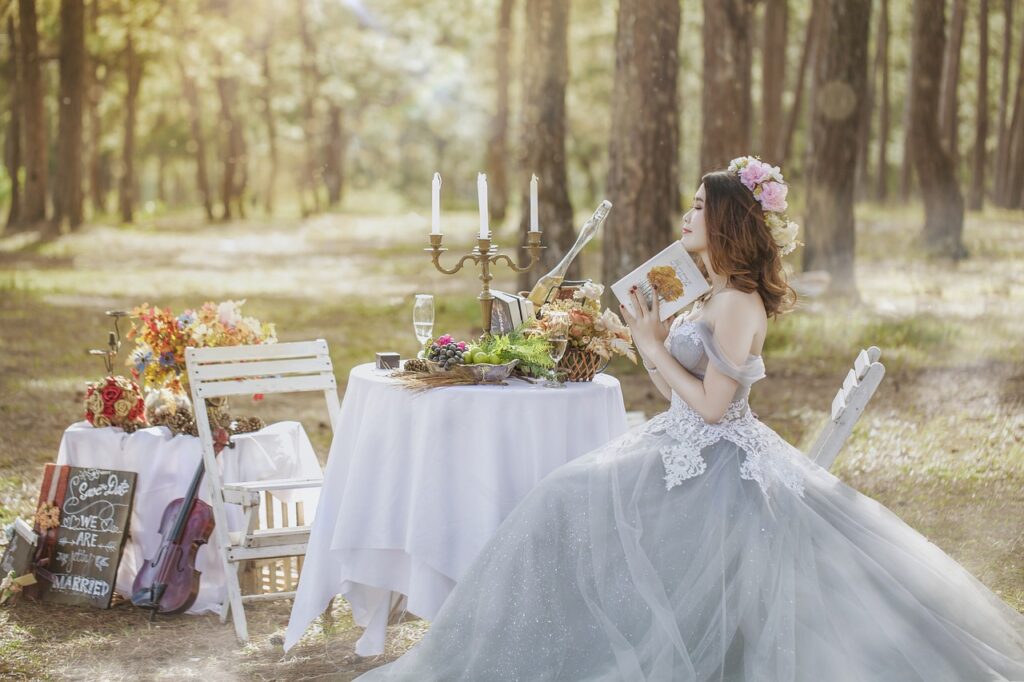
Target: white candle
(481,190)
(534,226)
(435,205)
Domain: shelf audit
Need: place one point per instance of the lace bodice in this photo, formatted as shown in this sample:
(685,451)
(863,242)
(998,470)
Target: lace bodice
(768,456)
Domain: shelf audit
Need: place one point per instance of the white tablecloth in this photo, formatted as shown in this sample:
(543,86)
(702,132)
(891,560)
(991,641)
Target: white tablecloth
(165,465)
(418,483)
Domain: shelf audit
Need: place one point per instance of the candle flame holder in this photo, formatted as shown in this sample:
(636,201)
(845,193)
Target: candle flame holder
(485,254)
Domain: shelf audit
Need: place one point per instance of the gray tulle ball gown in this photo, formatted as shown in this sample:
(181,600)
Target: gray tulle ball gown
(692,551)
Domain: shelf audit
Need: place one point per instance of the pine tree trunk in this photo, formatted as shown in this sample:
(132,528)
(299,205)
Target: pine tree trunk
(94,90)
(948,110)
(334,153)
(1015,138)
(943,202)
(643,166)
(233,175)
(1003,143)
(882,186)
(12,140)
(33,118)
(133,76)
(811,31)
(68,181)
(840,86)
(310,93)
(977,195)
(195,119)
(864,130)
(907,165)
(542,137)
(497,144)
(269,121)
(725,104)
(773,77)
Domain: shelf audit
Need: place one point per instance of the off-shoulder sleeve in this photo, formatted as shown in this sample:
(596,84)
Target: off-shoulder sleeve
(748,373)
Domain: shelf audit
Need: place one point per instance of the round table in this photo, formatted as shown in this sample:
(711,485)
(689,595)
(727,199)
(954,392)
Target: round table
(416,484)
(165,464)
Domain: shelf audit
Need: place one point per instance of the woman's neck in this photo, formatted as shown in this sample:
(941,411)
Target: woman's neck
(718,282)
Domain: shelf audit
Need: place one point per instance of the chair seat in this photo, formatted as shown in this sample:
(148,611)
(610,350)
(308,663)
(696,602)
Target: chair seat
(248,492)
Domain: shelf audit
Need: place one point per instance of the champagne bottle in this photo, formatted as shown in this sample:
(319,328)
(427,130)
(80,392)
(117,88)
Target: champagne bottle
(545,284)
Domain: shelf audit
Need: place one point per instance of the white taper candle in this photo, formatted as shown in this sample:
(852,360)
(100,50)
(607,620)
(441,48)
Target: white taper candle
(435,205)
(481,190)
(534,225)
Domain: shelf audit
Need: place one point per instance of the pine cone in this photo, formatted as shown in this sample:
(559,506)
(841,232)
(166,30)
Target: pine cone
(182,423)
(416,365)
(247,425)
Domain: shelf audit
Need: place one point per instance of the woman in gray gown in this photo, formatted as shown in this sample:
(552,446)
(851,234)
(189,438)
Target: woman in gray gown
(701,545)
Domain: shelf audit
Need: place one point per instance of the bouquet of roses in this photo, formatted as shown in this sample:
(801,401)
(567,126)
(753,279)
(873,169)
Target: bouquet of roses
(161,338)
(589,328)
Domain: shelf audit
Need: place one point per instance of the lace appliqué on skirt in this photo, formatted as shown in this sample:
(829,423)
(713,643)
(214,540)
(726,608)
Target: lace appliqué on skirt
(767,454)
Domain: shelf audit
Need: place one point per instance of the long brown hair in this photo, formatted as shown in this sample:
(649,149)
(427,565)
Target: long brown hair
(740,244)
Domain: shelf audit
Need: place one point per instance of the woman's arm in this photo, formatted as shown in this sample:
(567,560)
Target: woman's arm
(655,374)
(734,333)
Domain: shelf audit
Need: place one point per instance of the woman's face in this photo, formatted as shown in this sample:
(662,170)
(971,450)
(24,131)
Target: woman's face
(694,233)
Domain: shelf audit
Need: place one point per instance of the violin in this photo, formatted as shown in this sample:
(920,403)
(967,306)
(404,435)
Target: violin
(169,582)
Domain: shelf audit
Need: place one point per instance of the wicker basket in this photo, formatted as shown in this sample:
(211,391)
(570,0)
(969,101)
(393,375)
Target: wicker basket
(580,365)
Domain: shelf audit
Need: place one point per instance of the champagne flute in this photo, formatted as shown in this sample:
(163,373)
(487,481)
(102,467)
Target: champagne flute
(423,320)
(558,339)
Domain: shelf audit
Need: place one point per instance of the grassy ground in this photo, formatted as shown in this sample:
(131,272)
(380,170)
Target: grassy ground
(941,443)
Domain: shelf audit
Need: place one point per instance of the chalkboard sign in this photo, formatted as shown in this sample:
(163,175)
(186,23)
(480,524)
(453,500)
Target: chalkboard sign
(94,514)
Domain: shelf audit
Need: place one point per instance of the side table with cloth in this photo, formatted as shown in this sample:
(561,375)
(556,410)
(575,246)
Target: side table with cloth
(165,464)
(417,484)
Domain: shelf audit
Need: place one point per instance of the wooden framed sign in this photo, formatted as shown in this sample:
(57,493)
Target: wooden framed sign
(19,551)
(83,552)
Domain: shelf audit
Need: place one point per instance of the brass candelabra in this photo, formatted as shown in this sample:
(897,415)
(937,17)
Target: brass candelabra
(485,254)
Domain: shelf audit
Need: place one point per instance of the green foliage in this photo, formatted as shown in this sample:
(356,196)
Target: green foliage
(531,351)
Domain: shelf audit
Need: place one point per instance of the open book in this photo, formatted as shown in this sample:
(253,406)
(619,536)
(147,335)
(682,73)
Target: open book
(678,279)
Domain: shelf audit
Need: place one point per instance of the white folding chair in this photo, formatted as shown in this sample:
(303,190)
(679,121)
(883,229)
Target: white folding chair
(247,370)
(847,406)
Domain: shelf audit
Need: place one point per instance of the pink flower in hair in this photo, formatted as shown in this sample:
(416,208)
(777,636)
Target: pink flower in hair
(773,196)
(755,173)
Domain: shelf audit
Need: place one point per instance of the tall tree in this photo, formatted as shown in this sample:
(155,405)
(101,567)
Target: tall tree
(1014,192)
(497,144)
(68,181)
(133,69)
(643,154)
(840,87)
(12,140)
(233,176)
(948,110)
(977,195)
(882,181)
(1003,143)
(542,137)
(33,117)
(267,97)
(810,41)
(943,202)
(773,77)
(313,171)
(96,78)
(725,104)
(195,119)
(334,153)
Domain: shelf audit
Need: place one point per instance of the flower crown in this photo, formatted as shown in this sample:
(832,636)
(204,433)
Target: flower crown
(769,188)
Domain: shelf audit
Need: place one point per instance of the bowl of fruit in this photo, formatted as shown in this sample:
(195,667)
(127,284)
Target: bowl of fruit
(447,355)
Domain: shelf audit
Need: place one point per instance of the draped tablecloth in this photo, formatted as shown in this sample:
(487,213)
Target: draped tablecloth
(416,484)
(166,463)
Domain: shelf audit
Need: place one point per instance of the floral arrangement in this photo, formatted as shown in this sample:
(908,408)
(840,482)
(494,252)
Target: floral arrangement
(162,337)
(770,189)
(589,328)
(115,401)
(12,585)
(47,516)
